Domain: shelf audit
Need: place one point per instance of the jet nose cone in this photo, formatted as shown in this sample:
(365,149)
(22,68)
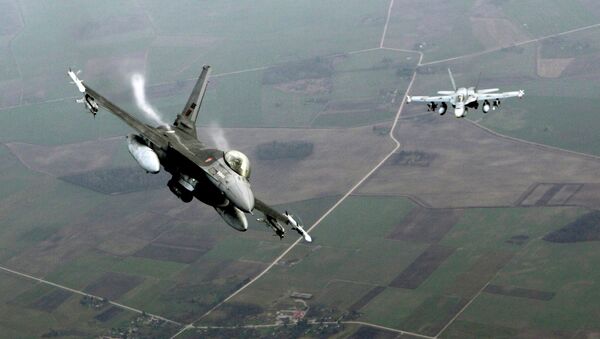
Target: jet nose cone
(459,112)
(241,196)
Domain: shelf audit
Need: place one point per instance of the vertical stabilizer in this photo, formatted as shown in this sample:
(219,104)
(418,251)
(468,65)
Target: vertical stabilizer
(452,79)
(192,107)
(477,83)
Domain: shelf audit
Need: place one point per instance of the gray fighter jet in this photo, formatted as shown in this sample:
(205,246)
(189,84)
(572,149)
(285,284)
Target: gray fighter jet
(220,179)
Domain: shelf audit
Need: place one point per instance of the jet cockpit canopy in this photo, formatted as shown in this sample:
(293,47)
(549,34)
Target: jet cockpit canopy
(238,162)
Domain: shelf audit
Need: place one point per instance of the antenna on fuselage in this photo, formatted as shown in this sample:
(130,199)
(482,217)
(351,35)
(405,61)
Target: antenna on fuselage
(452,79)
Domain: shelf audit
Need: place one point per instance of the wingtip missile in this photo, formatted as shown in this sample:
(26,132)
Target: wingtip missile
(297,227)
(76,81)
(521,93)
(303,233)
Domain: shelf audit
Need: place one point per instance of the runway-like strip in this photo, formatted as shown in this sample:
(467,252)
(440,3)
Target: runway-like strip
(526,42)
(72,290)
(387,23)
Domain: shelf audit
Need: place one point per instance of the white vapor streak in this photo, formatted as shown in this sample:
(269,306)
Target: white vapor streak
(217,135)
(138,83)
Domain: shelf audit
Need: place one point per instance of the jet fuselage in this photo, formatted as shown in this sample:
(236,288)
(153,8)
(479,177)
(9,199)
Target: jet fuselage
(200,172)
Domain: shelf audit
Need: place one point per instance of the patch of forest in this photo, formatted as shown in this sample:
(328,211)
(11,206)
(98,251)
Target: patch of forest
(585,228)
(118,180)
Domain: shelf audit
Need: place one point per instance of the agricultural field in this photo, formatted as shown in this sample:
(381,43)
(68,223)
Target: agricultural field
(424,279)
(114,39)
(440,227)
(449,30)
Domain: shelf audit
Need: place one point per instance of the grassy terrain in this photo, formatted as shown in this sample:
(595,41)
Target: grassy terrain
(542,17)
(171,43)
(351,263)
(555,111)
(21,318)
(234,36)
(363,89)
(356,253)
(176,290)
(443,30)
(545,266)
(438,29)
(44,215)
(186,291)
(569,123)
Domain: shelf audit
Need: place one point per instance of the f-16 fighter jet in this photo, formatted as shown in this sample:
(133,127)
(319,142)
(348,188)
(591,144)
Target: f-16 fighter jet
(218,178)
(463,98)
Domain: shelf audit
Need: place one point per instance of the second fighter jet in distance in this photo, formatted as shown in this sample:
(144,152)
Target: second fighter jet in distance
(462,99)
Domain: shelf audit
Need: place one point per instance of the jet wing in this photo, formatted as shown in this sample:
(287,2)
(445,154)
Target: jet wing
(269,211)
(440,98)
(95,99)
(120,113)
(504,95)
(276,220)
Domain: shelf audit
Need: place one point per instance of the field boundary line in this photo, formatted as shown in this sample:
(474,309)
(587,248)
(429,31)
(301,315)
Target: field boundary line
(75,291)
(533,143)
(387,23)
(362,323)
(517,44)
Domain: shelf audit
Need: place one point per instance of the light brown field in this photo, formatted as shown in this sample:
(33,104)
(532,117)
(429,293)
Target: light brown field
(496,32)
(67,159)
(10,93)
(340,158)
(552,68)
(475,168)
(426,27)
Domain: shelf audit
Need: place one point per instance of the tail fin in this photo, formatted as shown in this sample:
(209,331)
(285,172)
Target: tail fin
(190,111)
(477,83)
(452,79)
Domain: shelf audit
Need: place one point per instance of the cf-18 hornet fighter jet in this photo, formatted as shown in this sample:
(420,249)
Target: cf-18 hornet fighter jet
(462,99)
(218,178)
